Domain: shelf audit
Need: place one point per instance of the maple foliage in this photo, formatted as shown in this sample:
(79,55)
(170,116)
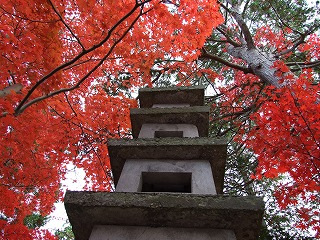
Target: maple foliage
(267,94)
(286,140)
(59,58)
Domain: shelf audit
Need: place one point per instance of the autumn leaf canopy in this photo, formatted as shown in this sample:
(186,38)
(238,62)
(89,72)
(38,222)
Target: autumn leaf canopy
(68,71)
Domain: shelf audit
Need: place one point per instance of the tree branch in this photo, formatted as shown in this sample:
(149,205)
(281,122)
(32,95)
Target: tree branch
(207,55)
(23,107)
(243,26)
(245,8)
(303,65)
(65,24)
(281,20)
(229,39)
(298,41)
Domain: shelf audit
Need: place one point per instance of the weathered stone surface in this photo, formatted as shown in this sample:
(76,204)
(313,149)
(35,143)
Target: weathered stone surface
(112,232)
(198,116)
(85,210)
(149,130)
(201,181)
(213,150)
(172,105)
(174,95)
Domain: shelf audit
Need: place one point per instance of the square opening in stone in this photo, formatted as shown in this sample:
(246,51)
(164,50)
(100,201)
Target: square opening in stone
(164,134)
(166,182)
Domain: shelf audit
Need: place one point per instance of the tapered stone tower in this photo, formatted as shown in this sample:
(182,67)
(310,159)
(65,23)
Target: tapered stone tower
(169,179)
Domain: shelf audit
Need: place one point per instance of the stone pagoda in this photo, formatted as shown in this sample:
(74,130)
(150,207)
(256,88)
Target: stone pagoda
(169,179)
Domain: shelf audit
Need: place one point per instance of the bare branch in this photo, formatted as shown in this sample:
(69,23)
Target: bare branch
(207,55)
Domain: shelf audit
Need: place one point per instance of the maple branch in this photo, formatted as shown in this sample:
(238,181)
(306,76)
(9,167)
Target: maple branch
(298,41)
(3,55)
(23,105)
(243,26)
(281,20)
(65,24)
(224,6)
(302,65)
(236,114)
(66,96)
(82,128)
(229,39)
(207,55)
(216,40)
(307,64)
(108,177)
(260,63)
(158,76)
(243,114)
(82,62)
(71,122)
(296,103)
(245,8)
(24,18)
(238,150)
(12,76)
(21,108)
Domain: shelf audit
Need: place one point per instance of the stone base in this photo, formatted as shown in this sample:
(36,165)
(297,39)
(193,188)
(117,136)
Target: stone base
(112,232)
(243,215)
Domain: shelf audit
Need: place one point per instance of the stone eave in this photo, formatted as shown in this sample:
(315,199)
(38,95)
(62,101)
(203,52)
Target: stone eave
(203,148)
(198,116)
(172,95)
(241,214)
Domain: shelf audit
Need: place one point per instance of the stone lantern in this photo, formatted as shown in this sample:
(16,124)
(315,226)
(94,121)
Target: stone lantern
(169,179)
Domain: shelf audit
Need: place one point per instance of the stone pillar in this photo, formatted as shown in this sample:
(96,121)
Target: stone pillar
(167,179)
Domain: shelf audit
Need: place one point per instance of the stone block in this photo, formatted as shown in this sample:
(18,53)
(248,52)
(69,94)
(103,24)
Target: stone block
(210,149)
(201,181)
(243,215)
(172,105)
(198,116)
(112,232)
(194,96)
